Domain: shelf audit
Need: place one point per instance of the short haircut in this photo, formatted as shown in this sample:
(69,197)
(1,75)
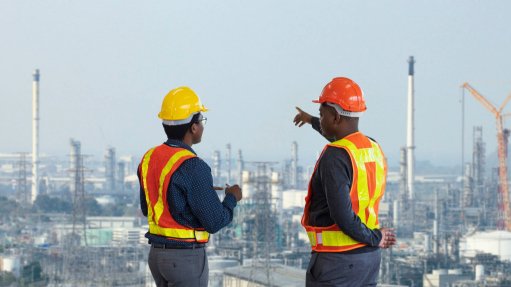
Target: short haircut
(334,111)
(178,132)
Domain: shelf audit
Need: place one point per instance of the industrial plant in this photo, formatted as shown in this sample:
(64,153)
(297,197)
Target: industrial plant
(74,220)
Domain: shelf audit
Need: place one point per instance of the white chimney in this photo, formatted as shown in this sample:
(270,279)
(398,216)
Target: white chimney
(410,145)
(35,135)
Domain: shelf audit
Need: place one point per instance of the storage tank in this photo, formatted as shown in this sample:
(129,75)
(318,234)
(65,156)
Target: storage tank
(479,272)
(293,198)
(11,264)
(247,183)
(496,242)
(276,192)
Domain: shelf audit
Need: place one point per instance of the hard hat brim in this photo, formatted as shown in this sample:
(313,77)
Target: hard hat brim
(202,109)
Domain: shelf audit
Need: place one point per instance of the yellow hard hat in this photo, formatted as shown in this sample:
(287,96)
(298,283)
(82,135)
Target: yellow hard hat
(180,104)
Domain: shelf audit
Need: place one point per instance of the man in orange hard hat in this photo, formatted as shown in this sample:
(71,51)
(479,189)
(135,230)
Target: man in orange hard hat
(178,197)
(341,207)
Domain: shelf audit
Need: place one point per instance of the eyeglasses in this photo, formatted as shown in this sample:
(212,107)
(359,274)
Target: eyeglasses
(203,121)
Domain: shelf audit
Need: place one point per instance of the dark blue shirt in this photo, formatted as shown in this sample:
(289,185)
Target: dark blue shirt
(191,198)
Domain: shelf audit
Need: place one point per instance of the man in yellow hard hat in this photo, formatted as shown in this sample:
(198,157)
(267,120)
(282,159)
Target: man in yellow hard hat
(178,197)
(341,207)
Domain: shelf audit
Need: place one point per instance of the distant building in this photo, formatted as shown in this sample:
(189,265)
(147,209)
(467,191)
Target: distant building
(496,242)
(122,235)
(293,198)
(444,278)
(10,264)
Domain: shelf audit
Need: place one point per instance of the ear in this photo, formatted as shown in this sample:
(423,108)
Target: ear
(193,128)
(337,118)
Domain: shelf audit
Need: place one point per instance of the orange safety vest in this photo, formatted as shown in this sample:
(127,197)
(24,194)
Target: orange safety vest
(156,169)
(367,188)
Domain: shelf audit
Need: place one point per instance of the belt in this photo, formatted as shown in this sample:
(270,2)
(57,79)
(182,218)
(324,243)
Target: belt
(172,246)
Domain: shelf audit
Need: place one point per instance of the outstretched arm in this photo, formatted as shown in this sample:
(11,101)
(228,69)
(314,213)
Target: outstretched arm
(302,118)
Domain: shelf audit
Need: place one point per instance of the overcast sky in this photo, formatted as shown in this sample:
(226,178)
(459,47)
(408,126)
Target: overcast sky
(106,65)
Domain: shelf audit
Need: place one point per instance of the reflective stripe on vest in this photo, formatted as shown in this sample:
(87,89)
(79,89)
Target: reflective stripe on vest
(369,176)
(158,214)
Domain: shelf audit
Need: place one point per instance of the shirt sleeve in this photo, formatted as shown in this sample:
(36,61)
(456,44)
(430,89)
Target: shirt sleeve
(336,174)
(203,200)
(316,126)
(143,203)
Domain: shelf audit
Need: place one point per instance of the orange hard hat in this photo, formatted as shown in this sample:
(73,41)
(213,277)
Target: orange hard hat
(346,94)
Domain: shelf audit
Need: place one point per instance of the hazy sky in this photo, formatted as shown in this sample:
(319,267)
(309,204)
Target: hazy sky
(106,65)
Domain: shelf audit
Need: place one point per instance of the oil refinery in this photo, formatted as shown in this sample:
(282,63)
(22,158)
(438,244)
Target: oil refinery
(73,219)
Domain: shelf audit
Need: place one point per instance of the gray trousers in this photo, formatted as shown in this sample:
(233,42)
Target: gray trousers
(338,269)
(179,267)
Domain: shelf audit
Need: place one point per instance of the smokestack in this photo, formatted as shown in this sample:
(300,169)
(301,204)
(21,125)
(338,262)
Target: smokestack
(241,166)
(216,166)
(228,159)
(410,146)
(75,165)
(403,179)
(435,224)
(121,167)
(110,161)
(35,135)
(395,213)
(294,165)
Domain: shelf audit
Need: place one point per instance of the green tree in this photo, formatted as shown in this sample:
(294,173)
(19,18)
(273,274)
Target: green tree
(114,209)
(32,273)
(92,207)
(7,278)
(8,208)
(45,203)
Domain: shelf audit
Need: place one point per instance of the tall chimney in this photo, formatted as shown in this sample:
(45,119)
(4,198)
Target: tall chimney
(228,159)
(294,165)
(410,146)
(241,167)
(35,135)
(217,165)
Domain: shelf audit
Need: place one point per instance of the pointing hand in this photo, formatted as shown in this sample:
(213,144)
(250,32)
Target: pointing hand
(302,118)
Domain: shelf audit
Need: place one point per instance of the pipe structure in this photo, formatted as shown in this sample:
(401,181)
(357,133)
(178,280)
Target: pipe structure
(35,135)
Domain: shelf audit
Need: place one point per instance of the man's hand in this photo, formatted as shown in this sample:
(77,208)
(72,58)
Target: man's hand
(388,238)
(302,118)
(234,190)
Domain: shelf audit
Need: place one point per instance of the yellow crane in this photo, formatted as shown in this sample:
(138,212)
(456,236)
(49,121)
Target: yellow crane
(505,212)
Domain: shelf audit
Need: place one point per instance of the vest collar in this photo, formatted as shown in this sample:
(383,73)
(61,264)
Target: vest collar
(180,144)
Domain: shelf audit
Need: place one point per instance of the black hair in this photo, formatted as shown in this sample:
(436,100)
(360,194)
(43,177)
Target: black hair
(345,118)
(178,132)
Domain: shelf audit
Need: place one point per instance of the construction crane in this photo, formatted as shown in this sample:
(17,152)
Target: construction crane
(504,221)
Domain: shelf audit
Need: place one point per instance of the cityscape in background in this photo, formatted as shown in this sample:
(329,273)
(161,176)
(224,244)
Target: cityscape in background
(75,220)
